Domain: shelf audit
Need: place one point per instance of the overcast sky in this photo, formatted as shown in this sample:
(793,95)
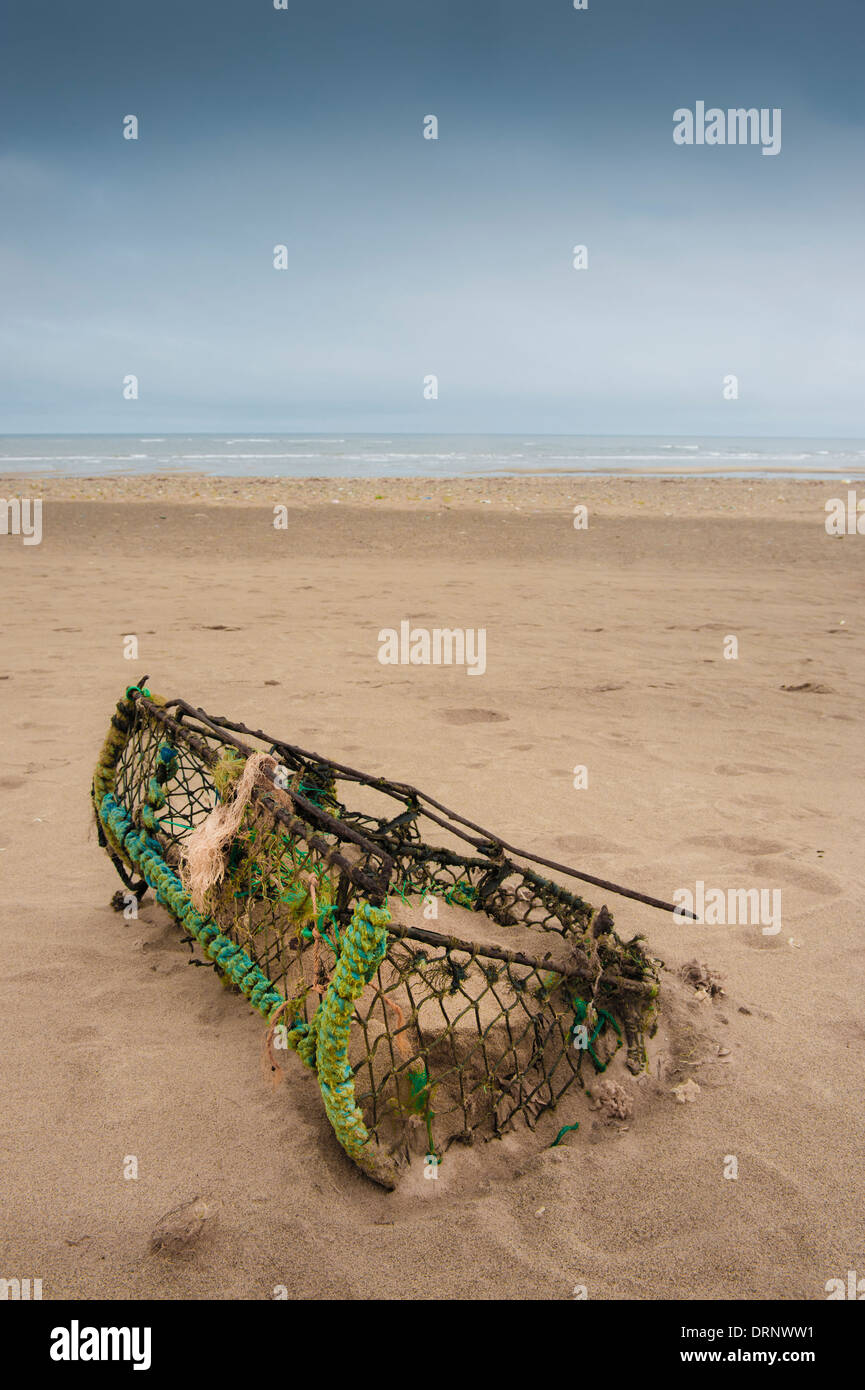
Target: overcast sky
(409,257)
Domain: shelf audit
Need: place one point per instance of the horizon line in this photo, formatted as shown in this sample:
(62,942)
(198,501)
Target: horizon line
(412,434)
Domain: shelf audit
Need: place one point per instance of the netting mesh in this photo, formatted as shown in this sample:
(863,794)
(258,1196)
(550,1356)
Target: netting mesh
(493,984)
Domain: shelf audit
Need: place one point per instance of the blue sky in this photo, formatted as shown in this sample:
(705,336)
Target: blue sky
(409,257)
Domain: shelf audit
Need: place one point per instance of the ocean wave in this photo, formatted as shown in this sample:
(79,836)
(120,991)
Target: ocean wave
(433,456)
(234,458)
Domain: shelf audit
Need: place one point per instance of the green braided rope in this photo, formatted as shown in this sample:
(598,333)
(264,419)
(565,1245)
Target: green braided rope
(603,1017)
(106,766)
(321,1044)
(565,1129)
(362,949)
(144,852)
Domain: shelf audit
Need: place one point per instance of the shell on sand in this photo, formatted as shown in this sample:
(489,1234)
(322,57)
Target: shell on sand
(686,1091)
(180,1228)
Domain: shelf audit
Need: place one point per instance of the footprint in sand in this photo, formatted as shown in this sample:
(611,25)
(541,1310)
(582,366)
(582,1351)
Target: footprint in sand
(83,1035)
(811,880)
(752,937)
(737,770)
(740,844)
(473,716)
(811,688)
(587,844)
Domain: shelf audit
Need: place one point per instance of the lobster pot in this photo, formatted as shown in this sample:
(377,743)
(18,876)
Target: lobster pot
(439,987)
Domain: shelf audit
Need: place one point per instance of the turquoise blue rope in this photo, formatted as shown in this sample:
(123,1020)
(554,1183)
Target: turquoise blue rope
(145,852)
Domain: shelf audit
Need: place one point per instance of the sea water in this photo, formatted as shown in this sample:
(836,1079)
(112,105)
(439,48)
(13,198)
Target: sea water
(429,456)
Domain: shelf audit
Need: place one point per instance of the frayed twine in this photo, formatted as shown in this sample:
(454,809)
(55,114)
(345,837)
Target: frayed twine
(203,864)
(319,973)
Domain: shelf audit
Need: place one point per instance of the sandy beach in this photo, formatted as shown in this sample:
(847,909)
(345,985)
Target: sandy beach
(599,642)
